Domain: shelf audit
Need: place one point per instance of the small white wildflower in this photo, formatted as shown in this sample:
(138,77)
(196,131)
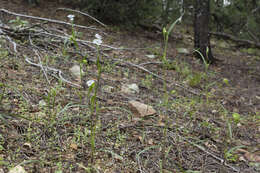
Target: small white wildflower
(214,111)
(98,39)
(98,36)
(71,17)
(97,42)
(90,82)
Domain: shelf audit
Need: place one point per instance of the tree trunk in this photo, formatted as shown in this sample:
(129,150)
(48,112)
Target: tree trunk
(201,30)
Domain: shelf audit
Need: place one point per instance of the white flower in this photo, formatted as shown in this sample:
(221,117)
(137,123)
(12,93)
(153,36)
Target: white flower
(98,36)
(71,17)
(97,42)
(90,82)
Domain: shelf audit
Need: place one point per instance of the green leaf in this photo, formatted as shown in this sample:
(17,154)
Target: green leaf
(236,117)
(174,23)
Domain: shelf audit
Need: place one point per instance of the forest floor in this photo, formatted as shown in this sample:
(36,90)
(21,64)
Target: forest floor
(206,119)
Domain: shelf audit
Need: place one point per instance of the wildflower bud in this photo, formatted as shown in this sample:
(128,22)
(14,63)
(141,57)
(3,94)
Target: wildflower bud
(164,31)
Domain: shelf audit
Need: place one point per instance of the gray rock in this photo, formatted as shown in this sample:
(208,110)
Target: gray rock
(108,89)
(183,51)
(42,103)
(75,70)
(130,88)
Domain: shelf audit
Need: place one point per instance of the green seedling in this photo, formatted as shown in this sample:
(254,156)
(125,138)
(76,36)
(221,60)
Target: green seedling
(73,37)
(236,117)
(93,103)
(18,23)
(230,154)
(166,37)
(225,81)
(166,95)
(3,88)
(195,79)
(206,64)
(147,81)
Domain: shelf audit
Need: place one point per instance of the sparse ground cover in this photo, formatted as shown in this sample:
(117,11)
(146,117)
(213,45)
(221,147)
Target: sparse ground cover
(206,120)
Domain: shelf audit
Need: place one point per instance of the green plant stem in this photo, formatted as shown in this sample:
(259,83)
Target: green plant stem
(94,106)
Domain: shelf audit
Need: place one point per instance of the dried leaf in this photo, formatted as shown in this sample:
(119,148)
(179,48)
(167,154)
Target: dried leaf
(150,141)
(250,156)
(73,146)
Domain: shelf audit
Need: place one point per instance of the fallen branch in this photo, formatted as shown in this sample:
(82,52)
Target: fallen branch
(233,38)
(172,135)
(89,44)
(155,75)
(85,14)
(52,71)
(40,63)
(46,19)
(222,161)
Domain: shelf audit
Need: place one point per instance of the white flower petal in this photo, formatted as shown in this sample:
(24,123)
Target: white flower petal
(98,36)
(90,82)
(97,42)
(71,17)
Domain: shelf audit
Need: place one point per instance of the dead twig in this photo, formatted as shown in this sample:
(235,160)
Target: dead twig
(155,75)
(90,43)
(53,70)
(46,19)
(233,38)
(85,14)
(40,63)
(222,161)
(82,41)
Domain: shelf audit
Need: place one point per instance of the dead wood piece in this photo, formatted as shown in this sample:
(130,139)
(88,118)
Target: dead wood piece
(233,38)
(52,71)
(46,19)
(85,14)
(155,75)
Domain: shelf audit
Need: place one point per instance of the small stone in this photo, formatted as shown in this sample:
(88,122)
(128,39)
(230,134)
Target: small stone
(140,109)
(183,51)
(150,56)
(130,88)
(75,70)
(108,89)
(42,103)
(17,169)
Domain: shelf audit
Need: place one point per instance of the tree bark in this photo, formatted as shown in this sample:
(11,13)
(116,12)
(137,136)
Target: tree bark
(201,30)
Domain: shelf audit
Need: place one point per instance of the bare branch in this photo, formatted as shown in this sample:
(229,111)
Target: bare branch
(40,63)
(85,14)
(46,19)
(53,70)
(230,37)
(155,75)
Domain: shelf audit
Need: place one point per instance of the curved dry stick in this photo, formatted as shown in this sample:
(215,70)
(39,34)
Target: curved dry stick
(82,13)
(159,77)
(57,71)
(46,19)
